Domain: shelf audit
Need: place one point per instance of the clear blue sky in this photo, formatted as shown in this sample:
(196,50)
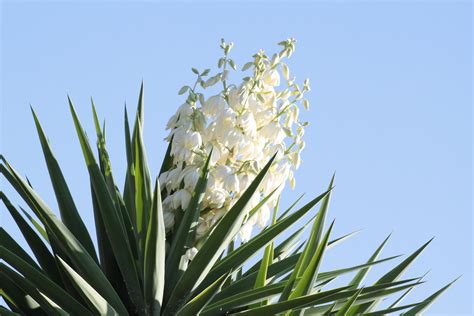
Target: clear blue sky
(391,106)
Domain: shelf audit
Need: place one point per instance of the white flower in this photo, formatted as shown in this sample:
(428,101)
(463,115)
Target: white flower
(202,228)
(181,199)
(272,78)
(184,110)
(263,215)
(216,198)
(213,106)
(231,182)
(191,253)
(162,179)
(264,117)
(235,100)
(244,182)
(191,178)
(215,155)
(244,125)
(168,218)
(246,232)
(274,132)
(172,180)
(247,123)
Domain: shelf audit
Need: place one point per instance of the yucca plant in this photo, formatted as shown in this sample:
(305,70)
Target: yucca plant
(138,267)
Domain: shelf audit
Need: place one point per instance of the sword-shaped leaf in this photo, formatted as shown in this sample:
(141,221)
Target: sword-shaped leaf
(344,310)
(247,250)
(68,242)
(96,301)
(68,210)
(44,284)
(185,235)
(195,306)
(425,304)
(41,252)
(310,247)
(112,220)
(154,269)
(391,276)
(212,248)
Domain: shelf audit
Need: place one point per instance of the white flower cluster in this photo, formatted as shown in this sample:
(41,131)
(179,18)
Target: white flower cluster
(244,125)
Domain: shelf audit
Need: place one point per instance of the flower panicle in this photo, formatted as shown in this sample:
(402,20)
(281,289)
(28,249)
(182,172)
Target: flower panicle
(244,124)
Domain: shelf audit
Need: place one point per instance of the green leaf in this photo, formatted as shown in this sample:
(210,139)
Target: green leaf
(250,297)
(97,302)
(106,169)
(305,284)
(288,210)
(293,304)
(154,269)
(74,249)
(335,273)
(167,163)
(359,277)
(393,275)
(41,252)
(311,246)
(184,237)
(143,193)
(391,310)
(425,304)
(195,306)
(341,239)
(129,186)
(399,299)
(15,297)
(69,213)
(245,251)
(8,242)
(247,281)
(113,225)
(212,248)
(44,284)
(141,174)
(36,224)
(343,311)
(316,232)
(368,294)
(6,312)
(267,256)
